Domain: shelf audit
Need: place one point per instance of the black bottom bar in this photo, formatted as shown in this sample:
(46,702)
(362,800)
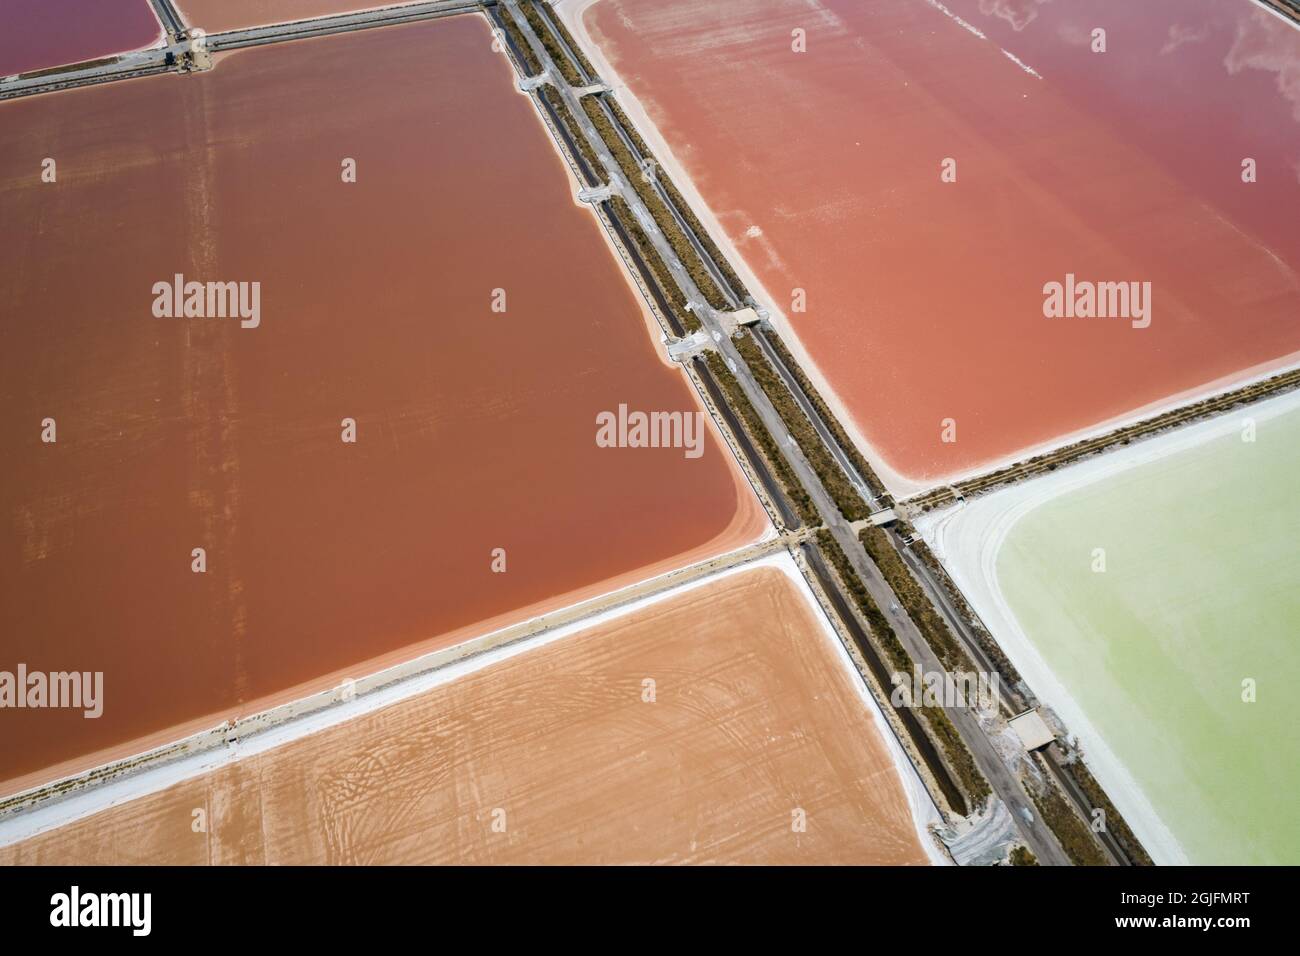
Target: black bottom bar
(937,909)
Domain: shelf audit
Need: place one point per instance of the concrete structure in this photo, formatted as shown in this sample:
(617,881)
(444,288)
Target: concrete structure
(885,516)
(1032,730)
(198,50)
(683,348)
(732,322)
(595,194)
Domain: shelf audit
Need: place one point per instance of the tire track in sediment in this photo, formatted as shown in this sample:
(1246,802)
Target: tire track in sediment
(367,801)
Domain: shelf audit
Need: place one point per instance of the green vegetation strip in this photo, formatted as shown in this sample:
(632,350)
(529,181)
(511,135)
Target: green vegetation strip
(1072,833)
(836,429)
(959,758)
(531,64)
(575,132)
(892,647)
(1050,461)
(661,213)
(1021,856)
(665,281)
(552,44)
(631,130)
(1115,823)
(764,440)
(682,205)
(914,599)
(942,730)
(991,650)
(832,477)
(568,38)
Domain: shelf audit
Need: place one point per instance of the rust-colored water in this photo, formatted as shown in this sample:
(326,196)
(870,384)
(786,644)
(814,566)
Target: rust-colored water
(925,298)
(476,430)
(38,34)
(555,757)
(217,15)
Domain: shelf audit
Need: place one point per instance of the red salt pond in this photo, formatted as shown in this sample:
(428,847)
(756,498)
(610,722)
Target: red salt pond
(925,299)
(475,429)
(39,34)
(217,15)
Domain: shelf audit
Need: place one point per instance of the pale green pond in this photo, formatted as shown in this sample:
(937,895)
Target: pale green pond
(1201,591)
